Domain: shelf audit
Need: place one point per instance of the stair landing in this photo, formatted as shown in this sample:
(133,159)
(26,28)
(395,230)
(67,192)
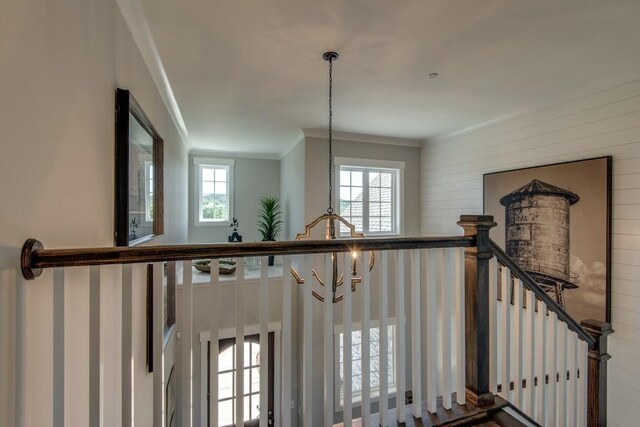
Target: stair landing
(458,415)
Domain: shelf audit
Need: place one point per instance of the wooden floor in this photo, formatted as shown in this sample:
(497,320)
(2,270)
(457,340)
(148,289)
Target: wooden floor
(458,415)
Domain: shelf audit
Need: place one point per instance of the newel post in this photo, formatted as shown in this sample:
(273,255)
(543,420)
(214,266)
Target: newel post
(476,271)
(597,372)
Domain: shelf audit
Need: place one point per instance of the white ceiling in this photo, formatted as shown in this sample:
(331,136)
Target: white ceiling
(248,74)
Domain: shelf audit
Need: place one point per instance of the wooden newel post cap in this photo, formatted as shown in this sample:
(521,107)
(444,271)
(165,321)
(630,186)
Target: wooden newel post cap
(599,330)
(28,248)
(469,222)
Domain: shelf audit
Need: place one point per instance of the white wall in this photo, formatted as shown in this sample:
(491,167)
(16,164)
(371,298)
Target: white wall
(60,64)
(292,185)
(605,123)
(253,179)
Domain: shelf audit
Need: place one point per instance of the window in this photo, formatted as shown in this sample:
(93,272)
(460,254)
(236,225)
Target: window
(227,396)
(214,191)
(370,195)
(148,191)
(374,363)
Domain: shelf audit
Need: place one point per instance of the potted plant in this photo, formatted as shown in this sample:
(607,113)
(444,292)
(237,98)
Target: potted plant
(269,222)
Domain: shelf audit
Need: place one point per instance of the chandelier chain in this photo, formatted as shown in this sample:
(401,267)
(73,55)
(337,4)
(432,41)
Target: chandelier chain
(330,208)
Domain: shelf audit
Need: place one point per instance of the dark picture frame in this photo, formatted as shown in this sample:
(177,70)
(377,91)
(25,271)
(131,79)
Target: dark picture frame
(555,221)
(139,177)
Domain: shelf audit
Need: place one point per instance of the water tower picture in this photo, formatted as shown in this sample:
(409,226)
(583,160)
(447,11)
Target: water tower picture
(537,219)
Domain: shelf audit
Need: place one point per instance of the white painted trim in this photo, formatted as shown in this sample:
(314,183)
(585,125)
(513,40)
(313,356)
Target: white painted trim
(397,167)
(135,18)
(297,139)
(360,137)
(200,163)
(368,163)
(248,330)
(212,161)
(233,154)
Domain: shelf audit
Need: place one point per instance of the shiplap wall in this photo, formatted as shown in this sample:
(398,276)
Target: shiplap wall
(605,123)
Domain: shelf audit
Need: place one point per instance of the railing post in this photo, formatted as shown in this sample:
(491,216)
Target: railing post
(476,270)
(597,372)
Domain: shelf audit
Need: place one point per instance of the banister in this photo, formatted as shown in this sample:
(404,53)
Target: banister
(34,257)
(531,285)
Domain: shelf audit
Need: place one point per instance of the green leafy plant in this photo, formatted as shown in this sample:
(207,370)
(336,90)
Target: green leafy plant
(269,222)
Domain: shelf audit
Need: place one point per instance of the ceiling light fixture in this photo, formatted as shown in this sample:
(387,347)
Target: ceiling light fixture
(330,218)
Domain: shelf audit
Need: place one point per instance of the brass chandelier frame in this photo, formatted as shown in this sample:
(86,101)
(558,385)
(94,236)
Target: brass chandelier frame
(330,217)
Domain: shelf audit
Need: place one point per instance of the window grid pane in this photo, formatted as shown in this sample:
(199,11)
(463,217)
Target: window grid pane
(374,362)
(214,203)
(367,198)
(226,383)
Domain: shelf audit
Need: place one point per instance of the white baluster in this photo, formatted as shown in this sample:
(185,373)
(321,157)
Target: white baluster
(187,340)
(416,335)
(307,328)
(400,339)
(347,356)
(95,348)
(519,332)
(445,293)
(214,347)
(432,334)
(59,385)
(366,339)
(158,344)
(384,341)
(552,364)
(530,354)
(287,355)
(541,365)
(493,326)
(127,345)
(506,333)
(572,367)
(264,341)
(460,327)
(328,343)
(583,356)
(562,374)
(239,374)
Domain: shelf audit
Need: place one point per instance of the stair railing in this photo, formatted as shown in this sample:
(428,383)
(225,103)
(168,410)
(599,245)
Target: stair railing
(448,287)
(542,361)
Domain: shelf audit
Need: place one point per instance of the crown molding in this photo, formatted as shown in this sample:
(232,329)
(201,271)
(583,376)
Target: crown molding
(137,23)
(233,154)
(360,137)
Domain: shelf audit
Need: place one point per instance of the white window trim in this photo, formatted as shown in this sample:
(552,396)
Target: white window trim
(148,215)
(393,165)
(357,398)
(199,163)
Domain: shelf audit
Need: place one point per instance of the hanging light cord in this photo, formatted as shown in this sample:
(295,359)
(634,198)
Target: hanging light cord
(330,208)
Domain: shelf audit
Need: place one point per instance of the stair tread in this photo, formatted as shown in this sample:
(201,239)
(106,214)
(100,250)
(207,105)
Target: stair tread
(456,416)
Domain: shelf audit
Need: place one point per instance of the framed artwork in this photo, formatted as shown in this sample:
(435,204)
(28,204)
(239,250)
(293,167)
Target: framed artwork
(555,222)
(139,160)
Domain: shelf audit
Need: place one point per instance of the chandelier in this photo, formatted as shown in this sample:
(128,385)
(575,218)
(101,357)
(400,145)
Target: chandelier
(329,220)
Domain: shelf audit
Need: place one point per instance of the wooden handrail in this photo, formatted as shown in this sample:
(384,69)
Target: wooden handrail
(531,285)
(35,258)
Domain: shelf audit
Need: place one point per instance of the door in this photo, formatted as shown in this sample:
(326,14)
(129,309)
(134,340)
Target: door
(226,380)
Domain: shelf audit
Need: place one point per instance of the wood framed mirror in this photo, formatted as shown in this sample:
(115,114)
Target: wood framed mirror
(139,165)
